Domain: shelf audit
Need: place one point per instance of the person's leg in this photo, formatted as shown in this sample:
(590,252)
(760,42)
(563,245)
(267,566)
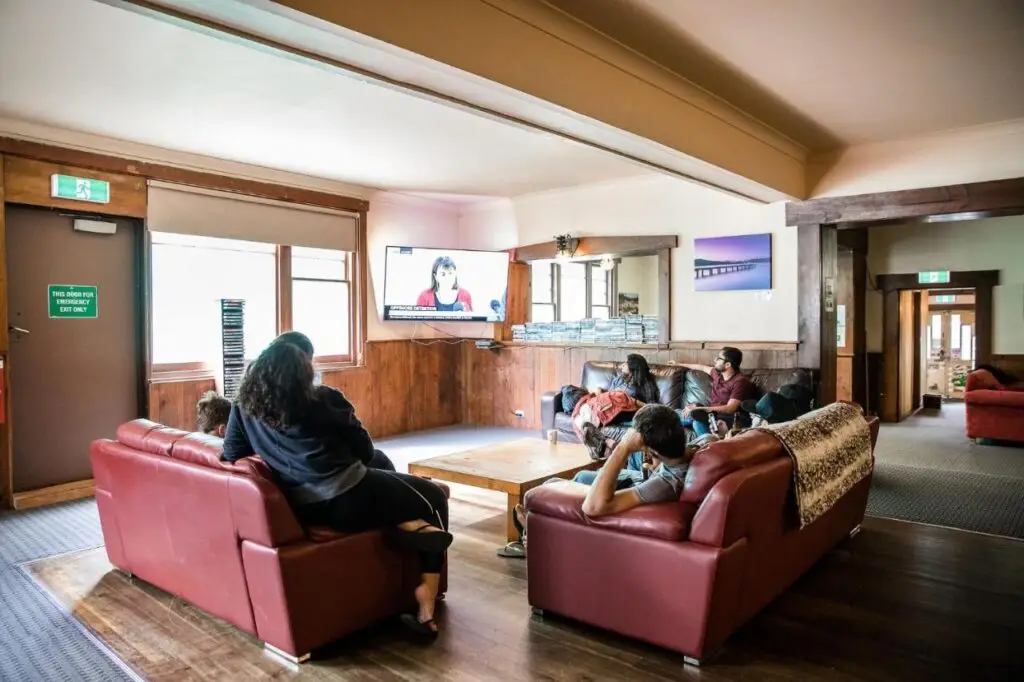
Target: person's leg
(381,461)
(699,428)
(585,477)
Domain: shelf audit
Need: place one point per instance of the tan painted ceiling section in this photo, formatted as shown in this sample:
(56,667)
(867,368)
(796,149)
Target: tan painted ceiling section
(835,72)
(529,46)
(151,82)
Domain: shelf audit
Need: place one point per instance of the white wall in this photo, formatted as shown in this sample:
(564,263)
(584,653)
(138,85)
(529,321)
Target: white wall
(403,220)
(990,152)
(639,275)
(660,204)
(991,244)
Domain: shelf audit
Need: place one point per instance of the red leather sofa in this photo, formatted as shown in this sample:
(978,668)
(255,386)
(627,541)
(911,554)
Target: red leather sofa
(222,537)
(684,575)
(994,410)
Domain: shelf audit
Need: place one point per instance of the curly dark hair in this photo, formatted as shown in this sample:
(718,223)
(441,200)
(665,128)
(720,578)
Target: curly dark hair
(278,386)
(296,339)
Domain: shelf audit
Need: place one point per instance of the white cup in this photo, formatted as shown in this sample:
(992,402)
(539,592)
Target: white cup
(552,436)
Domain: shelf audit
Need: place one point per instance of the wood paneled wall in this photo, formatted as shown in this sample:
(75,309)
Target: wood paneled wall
(403,386)
(500,382)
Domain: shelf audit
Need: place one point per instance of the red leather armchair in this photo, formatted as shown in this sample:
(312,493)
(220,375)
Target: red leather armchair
(683,575)
(994,410)
(223,537)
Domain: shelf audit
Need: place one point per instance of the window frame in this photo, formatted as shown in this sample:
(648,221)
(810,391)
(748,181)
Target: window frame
(611,287)
(355,272)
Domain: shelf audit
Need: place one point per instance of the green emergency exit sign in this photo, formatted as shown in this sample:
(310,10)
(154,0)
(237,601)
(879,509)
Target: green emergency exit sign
(933,277)
(79,189)
(72,301)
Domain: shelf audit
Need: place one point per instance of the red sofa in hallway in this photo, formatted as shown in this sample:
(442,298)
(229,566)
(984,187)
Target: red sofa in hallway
(994,410)
(223,537)
(684,575)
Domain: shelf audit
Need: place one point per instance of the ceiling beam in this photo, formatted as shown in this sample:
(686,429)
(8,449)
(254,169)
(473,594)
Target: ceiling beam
(595,247)
(933,204)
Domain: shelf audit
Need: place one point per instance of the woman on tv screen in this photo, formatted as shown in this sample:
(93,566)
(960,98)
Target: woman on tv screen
(444,292)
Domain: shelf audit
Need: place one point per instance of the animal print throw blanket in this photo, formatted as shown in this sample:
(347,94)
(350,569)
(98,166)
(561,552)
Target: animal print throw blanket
(831,452)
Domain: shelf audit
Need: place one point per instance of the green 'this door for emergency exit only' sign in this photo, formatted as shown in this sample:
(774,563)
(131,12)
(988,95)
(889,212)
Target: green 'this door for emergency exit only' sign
(72,301)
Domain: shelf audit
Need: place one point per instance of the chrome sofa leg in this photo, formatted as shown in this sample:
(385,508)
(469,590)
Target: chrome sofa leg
(695,662)
(537,612)
(855,531)
(285,656)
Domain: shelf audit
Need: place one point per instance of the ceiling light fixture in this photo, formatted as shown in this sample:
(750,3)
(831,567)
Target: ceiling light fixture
(608,263)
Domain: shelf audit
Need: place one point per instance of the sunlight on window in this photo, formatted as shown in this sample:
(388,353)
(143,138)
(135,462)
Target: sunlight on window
(190,276)
(321,299)
(954,331)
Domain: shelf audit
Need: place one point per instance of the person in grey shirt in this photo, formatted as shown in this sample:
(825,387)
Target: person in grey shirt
(658,431)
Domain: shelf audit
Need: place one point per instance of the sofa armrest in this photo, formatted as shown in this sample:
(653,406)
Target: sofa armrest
(550,405)
(564,500)
(994,398)
(747,503)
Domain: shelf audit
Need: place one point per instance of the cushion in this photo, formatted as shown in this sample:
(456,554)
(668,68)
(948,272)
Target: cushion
(716,461)
(148,436)
(199,448)
(570,396)
(982,379)
(564,500)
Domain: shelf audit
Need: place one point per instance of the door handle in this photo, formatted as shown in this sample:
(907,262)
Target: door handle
(17,330)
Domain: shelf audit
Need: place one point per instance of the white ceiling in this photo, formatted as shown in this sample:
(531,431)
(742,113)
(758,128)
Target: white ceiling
(93,68)
(834,72)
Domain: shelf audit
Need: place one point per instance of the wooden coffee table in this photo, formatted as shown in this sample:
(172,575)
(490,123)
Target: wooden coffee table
(512,468)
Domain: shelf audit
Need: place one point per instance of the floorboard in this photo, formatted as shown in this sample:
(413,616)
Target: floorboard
(900,601)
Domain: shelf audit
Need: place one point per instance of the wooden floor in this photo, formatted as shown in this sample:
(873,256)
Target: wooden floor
(898,602)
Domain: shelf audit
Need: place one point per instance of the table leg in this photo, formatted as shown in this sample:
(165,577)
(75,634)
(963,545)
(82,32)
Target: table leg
(510,528)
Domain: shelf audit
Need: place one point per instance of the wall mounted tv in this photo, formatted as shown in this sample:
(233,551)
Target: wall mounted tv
(446,285)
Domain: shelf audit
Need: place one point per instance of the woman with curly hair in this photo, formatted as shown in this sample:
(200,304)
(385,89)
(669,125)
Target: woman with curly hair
(319,452)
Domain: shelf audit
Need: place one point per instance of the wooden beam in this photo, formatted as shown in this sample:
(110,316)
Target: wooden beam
(889,410)
(182,176)
(517,301)
(27,182)
(983,331)
(1003,196)
(664,295)
(53,494)
(600,246)
(967,279)
(6,452)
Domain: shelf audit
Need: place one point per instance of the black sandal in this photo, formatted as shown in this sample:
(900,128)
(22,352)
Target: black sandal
(420,628)
(420,541)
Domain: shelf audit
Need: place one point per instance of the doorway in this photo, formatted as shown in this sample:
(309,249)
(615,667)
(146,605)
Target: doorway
(75,351)
(951,342)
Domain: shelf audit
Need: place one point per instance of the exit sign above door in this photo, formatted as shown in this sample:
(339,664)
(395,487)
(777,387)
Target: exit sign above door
(933,277)
(79,189)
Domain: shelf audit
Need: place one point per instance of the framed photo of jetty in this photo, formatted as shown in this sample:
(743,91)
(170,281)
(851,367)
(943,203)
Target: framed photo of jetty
(740,263)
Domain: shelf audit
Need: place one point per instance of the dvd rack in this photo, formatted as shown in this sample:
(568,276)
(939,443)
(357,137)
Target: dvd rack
(232,334)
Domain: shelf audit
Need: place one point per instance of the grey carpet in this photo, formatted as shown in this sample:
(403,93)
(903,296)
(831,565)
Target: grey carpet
(38,639)
(927,471)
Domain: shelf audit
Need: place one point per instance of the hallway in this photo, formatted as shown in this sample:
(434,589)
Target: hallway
(927,471)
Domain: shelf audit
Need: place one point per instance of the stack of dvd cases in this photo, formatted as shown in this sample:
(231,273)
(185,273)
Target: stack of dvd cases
(232,318)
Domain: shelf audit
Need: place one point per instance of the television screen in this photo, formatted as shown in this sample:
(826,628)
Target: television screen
(445,284)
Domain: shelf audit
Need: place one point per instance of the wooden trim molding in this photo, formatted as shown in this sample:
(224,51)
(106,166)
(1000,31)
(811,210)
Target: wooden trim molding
(969,279)
(27,182)
(600,246)
(65,492)
(6,449)
(973,200)
(182,176)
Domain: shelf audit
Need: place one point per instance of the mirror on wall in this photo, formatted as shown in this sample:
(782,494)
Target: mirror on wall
(593,289)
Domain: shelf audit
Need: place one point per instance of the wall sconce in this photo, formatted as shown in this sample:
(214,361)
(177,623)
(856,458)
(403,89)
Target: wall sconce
(608,263)
(565,247)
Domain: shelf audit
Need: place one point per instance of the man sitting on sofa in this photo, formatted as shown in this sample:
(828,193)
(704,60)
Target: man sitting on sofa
(656,429)
(729,388)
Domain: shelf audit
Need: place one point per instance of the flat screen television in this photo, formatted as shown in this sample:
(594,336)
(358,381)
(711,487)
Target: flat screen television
(447,285)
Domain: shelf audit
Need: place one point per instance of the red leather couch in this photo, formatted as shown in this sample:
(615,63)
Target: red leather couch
(223,537)
(684,575)
(993,410)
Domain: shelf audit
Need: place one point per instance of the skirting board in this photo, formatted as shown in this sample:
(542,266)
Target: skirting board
(76,490)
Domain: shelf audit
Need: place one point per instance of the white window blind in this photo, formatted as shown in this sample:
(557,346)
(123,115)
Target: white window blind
(191,210)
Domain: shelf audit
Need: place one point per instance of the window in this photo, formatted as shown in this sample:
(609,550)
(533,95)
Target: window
(190,275)
(321,300)
(571,291)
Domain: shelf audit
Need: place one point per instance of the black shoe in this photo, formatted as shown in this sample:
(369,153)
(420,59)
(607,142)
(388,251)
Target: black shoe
(594,442)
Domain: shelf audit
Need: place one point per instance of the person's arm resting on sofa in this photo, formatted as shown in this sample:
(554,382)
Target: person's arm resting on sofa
(603,498)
